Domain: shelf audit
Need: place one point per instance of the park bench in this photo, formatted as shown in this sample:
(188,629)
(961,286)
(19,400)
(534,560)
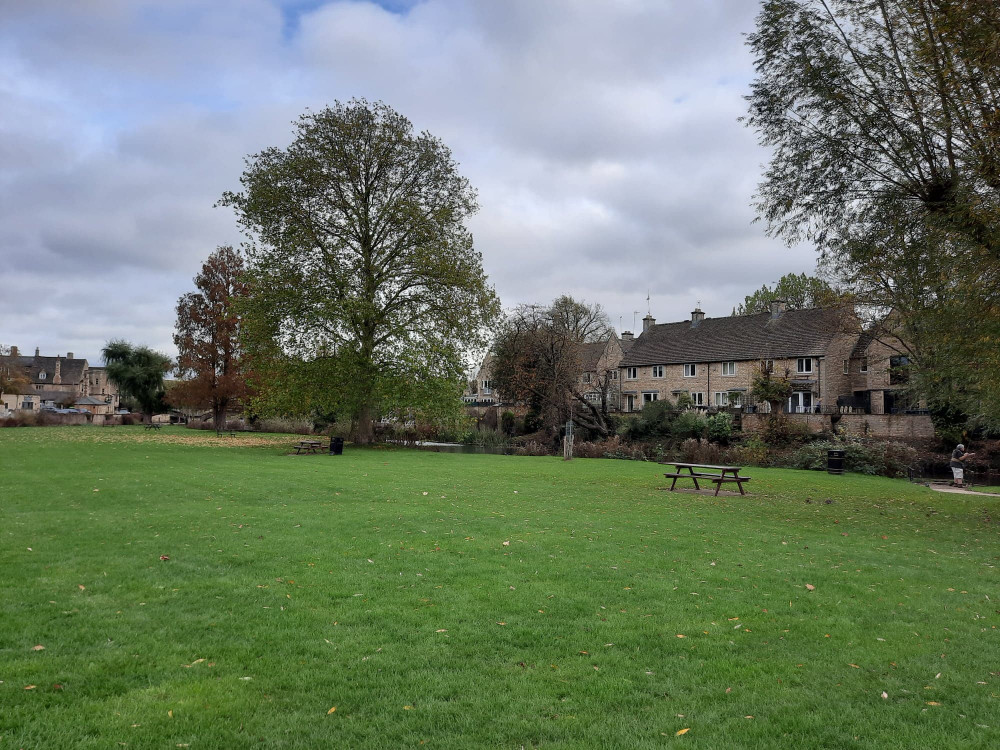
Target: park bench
(718,475)
(153,426)
(308,446)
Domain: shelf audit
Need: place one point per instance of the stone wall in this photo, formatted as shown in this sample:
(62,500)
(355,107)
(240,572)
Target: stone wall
(892,426)
(896,426)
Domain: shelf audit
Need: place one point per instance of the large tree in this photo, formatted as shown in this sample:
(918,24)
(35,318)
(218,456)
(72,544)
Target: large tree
(798,291)
(138,372)
(365,289)
(538,360)
(208,338)
(883,118)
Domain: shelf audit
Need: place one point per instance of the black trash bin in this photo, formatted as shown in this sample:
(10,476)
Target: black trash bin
(835,461)
(336,446)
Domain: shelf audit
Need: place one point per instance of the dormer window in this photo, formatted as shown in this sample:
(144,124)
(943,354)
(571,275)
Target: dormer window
(42,375)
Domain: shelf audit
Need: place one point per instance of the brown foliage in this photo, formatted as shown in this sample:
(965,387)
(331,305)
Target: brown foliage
(207,338)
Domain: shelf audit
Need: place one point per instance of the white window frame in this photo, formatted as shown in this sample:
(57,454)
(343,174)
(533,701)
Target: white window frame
(691,368)
(586,377)
(698,398)
(656,371)
(629,402)
(731,366)
(801,363)
(631,373)
(614,374)
(649,397)
(735,400)
(722,398)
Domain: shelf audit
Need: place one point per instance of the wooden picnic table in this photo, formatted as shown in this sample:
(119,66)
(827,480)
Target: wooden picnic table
(308,446)
(718,475)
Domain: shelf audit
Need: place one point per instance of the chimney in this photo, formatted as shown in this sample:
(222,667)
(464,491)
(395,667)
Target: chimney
(69,355)
(627,336)
(696,317)
(648,322)
(778,306)
(37,352)
(13,351)
(57,378)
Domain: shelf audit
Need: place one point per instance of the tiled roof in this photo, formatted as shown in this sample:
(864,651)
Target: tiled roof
(795,333)
(590,355)
(91,401)
(70,370)
(864,341)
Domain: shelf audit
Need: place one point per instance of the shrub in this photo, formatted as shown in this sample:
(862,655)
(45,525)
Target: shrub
(291,425)
(751,452)
(720,428)
(697,451)
(888,459)
(688,424)
(508,422)
(531,448)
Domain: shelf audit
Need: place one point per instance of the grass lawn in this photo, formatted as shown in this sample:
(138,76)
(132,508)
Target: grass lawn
(458,601)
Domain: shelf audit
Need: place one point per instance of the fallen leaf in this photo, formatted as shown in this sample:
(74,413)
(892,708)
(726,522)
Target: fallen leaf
(506,544)
(29,687)
(885,695)
(681,636)
(81,586)
(331,710)
(40,647)
(682,731)
(164,557)
(933,703)
(729,690)
(442,630)
(407,708)
(810,587)
(170,714)
(854,665)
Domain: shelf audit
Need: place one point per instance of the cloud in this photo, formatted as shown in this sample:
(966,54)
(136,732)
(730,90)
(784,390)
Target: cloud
(602,138)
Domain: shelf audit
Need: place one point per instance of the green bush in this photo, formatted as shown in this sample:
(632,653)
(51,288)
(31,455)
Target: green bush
(720,428)
(688,424)
(508,423)
(877,458)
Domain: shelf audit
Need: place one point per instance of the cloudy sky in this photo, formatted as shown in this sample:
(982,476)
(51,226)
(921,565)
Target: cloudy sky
(602,137)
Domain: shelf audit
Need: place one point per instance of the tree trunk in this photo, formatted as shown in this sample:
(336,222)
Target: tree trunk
(219,414)
(364,433)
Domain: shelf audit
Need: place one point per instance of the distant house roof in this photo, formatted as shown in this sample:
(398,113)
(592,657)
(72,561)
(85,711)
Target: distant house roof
(864,341)
(90,401)
(795,333)
(70,370)
(590,355)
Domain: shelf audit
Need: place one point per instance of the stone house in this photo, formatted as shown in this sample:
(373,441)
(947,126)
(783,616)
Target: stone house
(879,377)
(714,360)
(600,364)
(62,382)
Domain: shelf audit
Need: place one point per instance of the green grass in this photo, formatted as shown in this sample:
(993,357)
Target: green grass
(379,582)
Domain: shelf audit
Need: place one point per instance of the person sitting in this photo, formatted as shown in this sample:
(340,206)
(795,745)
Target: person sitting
(958,457)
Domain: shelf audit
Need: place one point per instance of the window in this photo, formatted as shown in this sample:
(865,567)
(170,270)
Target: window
(657,371)
(614,374)
(42,375)
(629,402)
(487,388)
(864,365)
(586,377)
(728,368)
(631,373)
(690,371)
(648,398)
(698,399)
(847,366)
(721,398)
(736,399)
(800,402)
(594,397)
(769,365)
(899,370)
(805,365)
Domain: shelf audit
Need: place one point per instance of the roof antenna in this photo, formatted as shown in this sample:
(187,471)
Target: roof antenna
(649,310)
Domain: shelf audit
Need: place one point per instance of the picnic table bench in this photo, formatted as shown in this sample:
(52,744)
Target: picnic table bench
(153,426)
(718,475)
(308,446)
